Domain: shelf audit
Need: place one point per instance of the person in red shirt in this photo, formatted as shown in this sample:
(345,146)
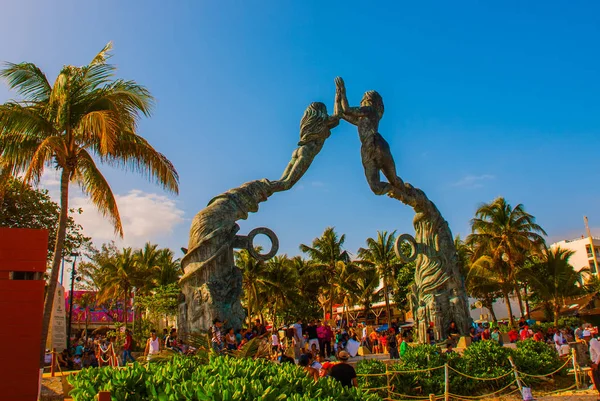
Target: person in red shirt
(513,335)
(127,347)
(526,333)
(538,336)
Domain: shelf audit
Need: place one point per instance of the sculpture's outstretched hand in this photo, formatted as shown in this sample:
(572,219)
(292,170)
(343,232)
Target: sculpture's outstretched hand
(340,86)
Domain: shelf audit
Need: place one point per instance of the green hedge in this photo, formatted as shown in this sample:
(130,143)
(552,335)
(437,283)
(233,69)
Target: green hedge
(485,359)
(223,378)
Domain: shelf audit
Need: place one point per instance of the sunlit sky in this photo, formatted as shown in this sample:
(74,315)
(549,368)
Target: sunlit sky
(482,99)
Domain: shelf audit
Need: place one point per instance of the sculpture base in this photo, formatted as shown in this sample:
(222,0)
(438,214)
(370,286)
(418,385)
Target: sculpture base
(211,292)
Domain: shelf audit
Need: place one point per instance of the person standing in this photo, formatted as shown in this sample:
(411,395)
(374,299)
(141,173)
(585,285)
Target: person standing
(343,372)
(594,358)
(311,332)
(217,336)
(298,339)
(403,346)
(152,345)
(127,348)
(275,344)
(392,344)
(322,335)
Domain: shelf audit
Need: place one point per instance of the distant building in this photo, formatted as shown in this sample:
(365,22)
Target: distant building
(582,256)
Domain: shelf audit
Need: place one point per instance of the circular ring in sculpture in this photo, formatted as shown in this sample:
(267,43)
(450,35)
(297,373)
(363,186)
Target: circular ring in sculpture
(413,248)
(272,237)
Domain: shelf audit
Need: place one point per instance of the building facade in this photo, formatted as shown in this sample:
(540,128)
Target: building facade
(582,256)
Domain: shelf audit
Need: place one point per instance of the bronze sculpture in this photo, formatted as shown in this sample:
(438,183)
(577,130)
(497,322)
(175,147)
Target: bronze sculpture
(375,151)
(315,128)
(211,285)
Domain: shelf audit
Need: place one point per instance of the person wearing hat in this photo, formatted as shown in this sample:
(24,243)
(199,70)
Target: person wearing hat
(344,372)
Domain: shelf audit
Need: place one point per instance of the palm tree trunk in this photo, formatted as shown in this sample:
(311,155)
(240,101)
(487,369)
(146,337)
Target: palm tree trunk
(58,251)
(125,308)
(527,309)
(509,308)
(556,313)
(490,306)
(386,296)
(520,299)
(331,294)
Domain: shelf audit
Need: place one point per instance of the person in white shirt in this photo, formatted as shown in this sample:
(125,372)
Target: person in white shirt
(275,345)
(559,343)
(594,357)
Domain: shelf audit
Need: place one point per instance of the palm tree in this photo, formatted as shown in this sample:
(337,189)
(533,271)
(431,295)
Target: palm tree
(167,269)
(505,235)
(554,279)
(253,280)
(280,284)
(325,252)
(84,118)
(380,254)
(86,301)
(345,286)
(119,277)
(367,282)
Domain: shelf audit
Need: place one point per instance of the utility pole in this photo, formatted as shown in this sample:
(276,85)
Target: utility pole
(587,227)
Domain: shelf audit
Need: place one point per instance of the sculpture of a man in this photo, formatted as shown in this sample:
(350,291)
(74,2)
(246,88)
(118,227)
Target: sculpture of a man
(315,128)
(375,151)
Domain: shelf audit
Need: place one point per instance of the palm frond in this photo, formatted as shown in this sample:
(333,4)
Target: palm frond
(28,80)
(93,183)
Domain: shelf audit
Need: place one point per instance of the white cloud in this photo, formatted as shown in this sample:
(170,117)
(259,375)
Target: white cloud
(473,181)
(145,216)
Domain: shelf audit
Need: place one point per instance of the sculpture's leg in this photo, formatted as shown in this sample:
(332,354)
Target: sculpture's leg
(301,161)
(373,178)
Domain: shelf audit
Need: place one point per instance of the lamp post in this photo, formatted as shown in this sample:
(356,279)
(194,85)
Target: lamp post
(74,254)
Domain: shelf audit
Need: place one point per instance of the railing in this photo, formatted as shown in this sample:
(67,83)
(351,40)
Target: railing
(519,381)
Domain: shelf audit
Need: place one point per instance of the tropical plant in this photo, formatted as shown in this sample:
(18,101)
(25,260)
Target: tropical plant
(119,277)
(554,279)
(380,254)
(23,206)
(367,282)
(85,117)
(501,239)
(325,252)
(222,378)
(253,280)
(280,281)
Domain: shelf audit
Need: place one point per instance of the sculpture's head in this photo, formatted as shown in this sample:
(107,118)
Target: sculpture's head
(314,118)
(373,99)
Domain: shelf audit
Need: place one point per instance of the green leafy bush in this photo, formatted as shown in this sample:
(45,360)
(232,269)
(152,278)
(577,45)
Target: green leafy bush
(370,367)
(223,378)
(536,358)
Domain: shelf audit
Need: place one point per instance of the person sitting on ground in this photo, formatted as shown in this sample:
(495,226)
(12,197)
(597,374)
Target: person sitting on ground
(343,372)
(230,340)
(77,362)
(497,336)
(63,359)
(449,348)
(538,336)
(522,322)
(453,329)
(304,361)
(326,369)
(283,358)
(486,334)
(525,333)
(315,361)
(513,335)
(474,336)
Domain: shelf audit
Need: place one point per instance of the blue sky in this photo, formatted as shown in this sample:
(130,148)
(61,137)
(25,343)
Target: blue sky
(482,100)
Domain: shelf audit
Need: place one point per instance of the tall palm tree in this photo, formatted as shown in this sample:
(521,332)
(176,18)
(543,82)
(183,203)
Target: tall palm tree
(325,252)
(280,284)
(119,277)
(346,290)
(380,254)
(167,269)
(505,235)
(85,117)
(253,280)
(367,282)
(554,279)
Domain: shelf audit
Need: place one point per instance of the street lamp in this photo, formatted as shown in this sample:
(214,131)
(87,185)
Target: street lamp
(74,254)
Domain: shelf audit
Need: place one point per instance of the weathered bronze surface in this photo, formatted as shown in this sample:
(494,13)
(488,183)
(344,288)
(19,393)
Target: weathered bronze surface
(212,284)
(438,294)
